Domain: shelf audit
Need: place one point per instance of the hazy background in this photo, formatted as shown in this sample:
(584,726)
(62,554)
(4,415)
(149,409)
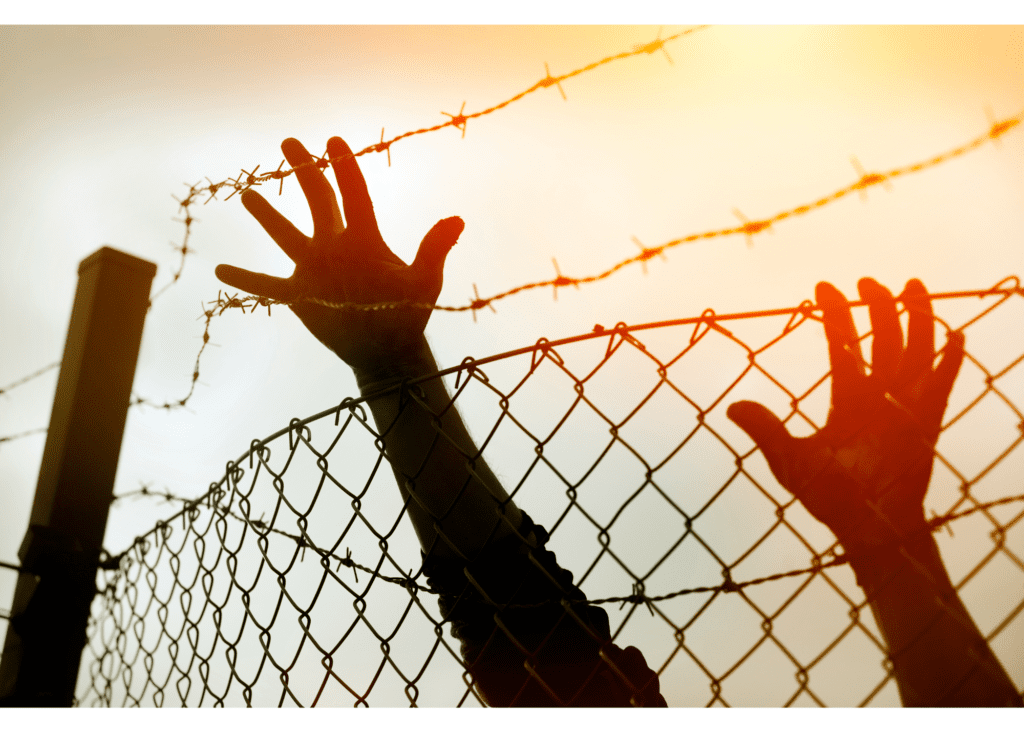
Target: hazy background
(100,126)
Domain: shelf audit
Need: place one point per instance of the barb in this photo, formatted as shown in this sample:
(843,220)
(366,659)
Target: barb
(183,248)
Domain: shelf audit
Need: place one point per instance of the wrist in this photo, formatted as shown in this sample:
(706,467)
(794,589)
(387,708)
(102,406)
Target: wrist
(876,567)
(410,362)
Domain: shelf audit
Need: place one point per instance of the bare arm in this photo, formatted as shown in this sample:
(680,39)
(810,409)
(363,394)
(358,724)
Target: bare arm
(468,527)
(435,459)
(865,475)
(346,260)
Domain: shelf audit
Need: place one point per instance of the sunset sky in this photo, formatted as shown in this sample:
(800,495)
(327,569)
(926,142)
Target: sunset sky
(101,126)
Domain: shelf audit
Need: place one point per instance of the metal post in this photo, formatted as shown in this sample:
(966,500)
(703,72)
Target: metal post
(60,553)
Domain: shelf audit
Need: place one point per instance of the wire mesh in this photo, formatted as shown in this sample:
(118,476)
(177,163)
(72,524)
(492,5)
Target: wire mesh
(295,579)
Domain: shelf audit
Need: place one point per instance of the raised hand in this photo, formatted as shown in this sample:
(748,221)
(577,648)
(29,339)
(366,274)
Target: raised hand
(865,474)
(347,261)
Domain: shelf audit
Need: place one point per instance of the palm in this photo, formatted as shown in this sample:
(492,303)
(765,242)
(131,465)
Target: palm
(865,474)
(348,265)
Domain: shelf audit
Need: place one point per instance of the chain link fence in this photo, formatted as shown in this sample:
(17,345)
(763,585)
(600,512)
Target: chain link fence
(295,579)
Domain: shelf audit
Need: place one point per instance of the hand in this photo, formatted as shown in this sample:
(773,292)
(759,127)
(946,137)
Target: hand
(347,264)
(865,474)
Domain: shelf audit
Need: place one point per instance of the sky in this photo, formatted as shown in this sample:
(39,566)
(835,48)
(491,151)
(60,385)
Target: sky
(102,126)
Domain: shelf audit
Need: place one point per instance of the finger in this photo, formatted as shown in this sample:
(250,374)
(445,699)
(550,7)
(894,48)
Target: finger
(323,204)
(920,332)
(354,195)
(768,433)
(843,348)
(256,283)
(281,230)
(430,257)
(887,338)
(936,395)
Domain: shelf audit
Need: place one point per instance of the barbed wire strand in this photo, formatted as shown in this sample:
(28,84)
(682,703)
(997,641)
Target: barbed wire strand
(458,121)
(30,377)
(24,380)
(26,433)
(749,228)
(935,524)
(251,179)
(226,302)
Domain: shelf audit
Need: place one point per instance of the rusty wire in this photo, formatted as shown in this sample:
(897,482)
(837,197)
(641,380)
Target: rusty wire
(225,301)
(748,228)
(307,633)
(935,524)
(245,180)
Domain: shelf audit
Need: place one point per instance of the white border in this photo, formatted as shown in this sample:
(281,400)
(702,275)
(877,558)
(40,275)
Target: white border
(545,12)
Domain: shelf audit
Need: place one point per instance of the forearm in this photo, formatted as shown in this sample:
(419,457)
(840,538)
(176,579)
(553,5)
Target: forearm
(435,460)
(938,654)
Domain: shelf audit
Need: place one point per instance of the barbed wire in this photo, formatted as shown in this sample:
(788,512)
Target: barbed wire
(30,377)
(458,121)
(748,228)
(26,433)
(24,380)
(251,179)
(190,504)
(112,562)
(245,180)
(183,249)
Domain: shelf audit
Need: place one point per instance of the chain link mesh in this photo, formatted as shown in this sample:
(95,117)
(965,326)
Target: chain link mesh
(295,579)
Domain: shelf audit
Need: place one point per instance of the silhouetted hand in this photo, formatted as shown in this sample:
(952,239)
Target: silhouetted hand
(347,263)
(865,474)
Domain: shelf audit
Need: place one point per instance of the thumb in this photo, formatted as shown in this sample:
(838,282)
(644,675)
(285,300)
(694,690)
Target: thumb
(768,433)
(429,262)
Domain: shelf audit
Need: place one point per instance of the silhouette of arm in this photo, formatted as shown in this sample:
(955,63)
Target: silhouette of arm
(865,475)
(346,260)
(465,521)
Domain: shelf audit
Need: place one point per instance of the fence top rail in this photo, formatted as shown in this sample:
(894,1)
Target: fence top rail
(1007,287)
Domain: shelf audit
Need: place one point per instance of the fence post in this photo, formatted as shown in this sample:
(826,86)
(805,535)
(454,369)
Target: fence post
(60,552)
